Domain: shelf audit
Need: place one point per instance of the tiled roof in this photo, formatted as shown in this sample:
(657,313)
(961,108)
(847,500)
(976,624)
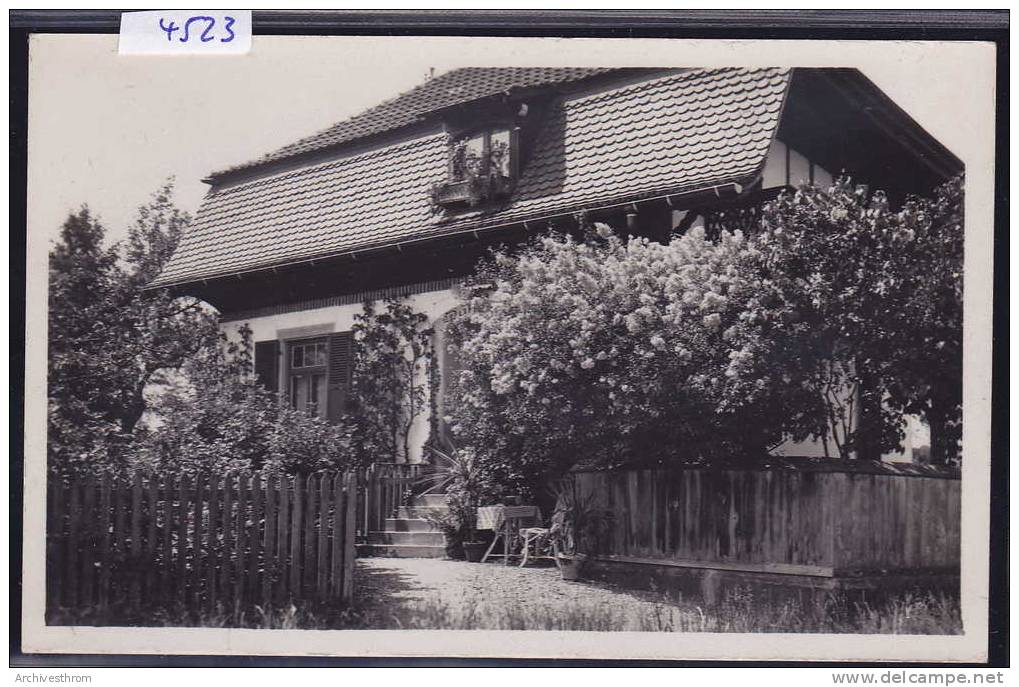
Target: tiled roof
(670,133)
(446,90)
(696,128)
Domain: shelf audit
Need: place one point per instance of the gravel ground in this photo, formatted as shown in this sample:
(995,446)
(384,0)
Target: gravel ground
(431,593)
(419,593)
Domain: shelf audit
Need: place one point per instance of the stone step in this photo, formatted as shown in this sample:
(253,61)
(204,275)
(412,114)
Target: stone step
(418,512)
(417,538)
(408,525)
(429,501)
(401,551)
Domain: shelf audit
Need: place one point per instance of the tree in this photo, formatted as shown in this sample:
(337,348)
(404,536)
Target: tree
(394,376)
(925,377)
(862,305)
(84,282)
(109,339)
(817,313)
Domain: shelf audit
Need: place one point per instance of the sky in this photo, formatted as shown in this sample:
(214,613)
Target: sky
(106,130)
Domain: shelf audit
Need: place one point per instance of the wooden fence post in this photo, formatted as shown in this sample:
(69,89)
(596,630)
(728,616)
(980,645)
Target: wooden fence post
(56,549)
(152,498)
(198,547)
(166,559)
(308,579)
(282,541)
(242,538)
(183,495)
(322,556)
(214,560)
(295,539)
(336,554)
(269,539)
(118,561)
(256,561)
(89,529)
(349,551)
(71,576)
(135,563)
(227,519)
(104,522)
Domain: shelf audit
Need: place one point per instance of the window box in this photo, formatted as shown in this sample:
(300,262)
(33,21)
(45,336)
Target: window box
(482,168)
(452,192)
(472,192)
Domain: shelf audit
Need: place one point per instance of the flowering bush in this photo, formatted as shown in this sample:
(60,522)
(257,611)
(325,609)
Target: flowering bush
(610,351)
(606,351)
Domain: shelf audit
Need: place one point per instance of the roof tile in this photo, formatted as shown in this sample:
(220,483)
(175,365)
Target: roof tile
(452,88)
(675,132)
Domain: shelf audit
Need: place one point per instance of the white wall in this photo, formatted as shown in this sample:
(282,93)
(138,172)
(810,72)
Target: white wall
(340,318)
(785,166)
(917,436)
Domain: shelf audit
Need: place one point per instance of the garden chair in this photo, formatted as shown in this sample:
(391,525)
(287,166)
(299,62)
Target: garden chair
(535,544)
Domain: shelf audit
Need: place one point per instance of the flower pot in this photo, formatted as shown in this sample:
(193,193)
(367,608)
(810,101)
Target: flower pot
(571,567)
(474,551)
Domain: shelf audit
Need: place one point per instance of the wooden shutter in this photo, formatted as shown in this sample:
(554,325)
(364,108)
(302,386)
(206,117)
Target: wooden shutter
(267,364)
(341,352)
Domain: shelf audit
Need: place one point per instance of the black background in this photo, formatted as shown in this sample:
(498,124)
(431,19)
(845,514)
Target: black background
(954,25)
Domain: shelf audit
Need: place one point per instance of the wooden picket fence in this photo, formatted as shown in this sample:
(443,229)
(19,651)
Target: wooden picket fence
(200,542)
(386,487)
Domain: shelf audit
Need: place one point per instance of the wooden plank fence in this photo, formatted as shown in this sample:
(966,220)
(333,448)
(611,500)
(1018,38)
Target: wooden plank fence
(200,542)
(790,521)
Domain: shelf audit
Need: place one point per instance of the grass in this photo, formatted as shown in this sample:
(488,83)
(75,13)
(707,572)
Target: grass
(259,617)
(739,611)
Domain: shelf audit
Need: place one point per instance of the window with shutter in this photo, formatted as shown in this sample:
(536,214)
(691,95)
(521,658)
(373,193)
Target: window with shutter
(341,350)
(307,362)
(267,370)
(317,372)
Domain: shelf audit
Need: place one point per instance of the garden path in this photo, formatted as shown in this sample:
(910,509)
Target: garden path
(425,593)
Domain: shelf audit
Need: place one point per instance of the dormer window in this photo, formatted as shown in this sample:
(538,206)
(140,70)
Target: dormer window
(482,168)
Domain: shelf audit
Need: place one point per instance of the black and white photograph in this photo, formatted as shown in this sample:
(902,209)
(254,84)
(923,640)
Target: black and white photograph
(593,348)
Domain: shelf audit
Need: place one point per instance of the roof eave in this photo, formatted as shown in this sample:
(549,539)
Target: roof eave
(886,114)
(720,189)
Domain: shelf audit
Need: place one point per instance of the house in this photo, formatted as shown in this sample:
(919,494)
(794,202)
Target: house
(404,198)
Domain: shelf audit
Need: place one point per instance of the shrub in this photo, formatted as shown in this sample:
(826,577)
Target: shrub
(618,352)
(217,417)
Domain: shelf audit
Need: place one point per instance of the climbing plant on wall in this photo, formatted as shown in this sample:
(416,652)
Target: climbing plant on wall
(393,379)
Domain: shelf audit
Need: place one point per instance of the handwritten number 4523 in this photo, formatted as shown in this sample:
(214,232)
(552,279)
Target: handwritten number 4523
(189,32)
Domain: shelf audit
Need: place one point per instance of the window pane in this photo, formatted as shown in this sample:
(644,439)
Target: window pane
(467,156)
(320,353)
(308,393)
(298,392)
(500,152)
(309,354)
(317,395)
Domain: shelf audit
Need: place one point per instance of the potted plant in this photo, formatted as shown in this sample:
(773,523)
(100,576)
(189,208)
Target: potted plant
(578,523)
(456,474)
(452,536)
(475,176)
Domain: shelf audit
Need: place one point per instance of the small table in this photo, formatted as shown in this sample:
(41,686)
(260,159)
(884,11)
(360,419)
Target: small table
(506,521)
